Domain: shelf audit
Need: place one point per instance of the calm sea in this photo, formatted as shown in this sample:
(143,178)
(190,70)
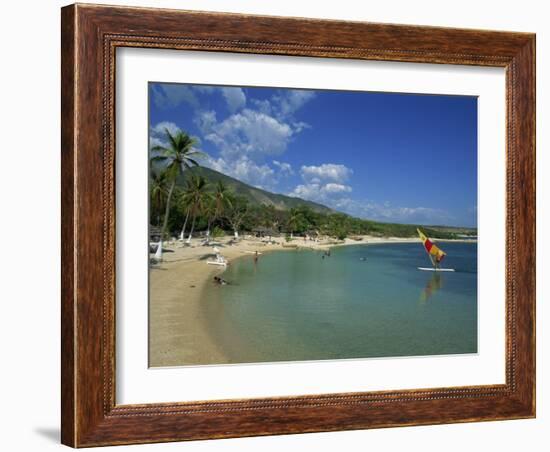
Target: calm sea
(361,302)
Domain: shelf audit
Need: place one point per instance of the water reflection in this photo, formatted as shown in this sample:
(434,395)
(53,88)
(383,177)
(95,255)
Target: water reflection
(432,287)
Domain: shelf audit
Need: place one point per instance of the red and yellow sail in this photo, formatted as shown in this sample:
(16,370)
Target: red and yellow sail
(436,255)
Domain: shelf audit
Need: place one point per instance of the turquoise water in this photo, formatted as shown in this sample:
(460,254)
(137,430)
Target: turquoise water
(295,305)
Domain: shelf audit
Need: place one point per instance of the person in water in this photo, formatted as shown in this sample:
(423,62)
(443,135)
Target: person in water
(256,257)
(220,281)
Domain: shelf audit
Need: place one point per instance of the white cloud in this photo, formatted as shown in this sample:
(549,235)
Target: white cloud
(285,104)
(326,171)
(289,101)
(323,183)
(264,128)
(263,106)
(323,193)
(248,132)
(206,121)
(250,172)
(284,168)
(336,196)
(336,188)
(254,130)
(168,95)
(310,192)
(234,97)
(300,125)
(245,170)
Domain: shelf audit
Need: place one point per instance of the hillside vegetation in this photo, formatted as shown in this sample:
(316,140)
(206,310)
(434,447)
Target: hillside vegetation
(255,196)
(251,209)
(186,198)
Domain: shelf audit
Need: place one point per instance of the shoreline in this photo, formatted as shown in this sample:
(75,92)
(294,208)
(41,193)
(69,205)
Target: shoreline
(178,333)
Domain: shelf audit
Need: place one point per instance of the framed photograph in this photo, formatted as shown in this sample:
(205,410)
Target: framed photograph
(281,225)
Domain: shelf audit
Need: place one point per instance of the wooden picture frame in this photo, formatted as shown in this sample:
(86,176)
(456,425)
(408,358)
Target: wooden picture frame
(90,36)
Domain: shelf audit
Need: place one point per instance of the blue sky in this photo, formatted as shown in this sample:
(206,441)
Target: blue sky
(391,157)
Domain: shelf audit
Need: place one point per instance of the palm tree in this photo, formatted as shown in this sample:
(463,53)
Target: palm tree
(292,221)
(209,211)
(185,207)
(196,197)
(158,189)
(222,199)
(177,156)
(296,221)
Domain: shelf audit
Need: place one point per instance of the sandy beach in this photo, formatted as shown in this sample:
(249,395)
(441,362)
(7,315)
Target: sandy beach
(178,333)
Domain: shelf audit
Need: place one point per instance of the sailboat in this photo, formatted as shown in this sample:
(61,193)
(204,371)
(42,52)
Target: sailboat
(435,254)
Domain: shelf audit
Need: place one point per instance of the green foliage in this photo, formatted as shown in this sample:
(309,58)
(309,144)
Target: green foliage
(218,232)
(237,212)
(300,220)
(158,192)
(172,159)
(211,200)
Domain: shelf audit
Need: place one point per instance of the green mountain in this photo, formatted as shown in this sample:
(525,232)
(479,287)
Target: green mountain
(259,197)
(252,194)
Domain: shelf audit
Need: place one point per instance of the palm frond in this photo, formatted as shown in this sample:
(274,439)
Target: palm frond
(171,138)
(197,153)
(192,161)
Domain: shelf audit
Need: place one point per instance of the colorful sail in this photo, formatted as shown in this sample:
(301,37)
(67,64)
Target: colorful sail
(436,255)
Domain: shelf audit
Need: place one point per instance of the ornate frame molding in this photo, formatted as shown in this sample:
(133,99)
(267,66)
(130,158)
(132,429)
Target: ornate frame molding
(90,37)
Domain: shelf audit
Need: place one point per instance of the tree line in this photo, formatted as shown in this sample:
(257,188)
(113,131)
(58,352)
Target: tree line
(203,205)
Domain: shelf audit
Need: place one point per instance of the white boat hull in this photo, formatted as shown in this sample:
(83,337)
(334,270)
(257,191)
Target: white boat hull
(223,264)
(431,269)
